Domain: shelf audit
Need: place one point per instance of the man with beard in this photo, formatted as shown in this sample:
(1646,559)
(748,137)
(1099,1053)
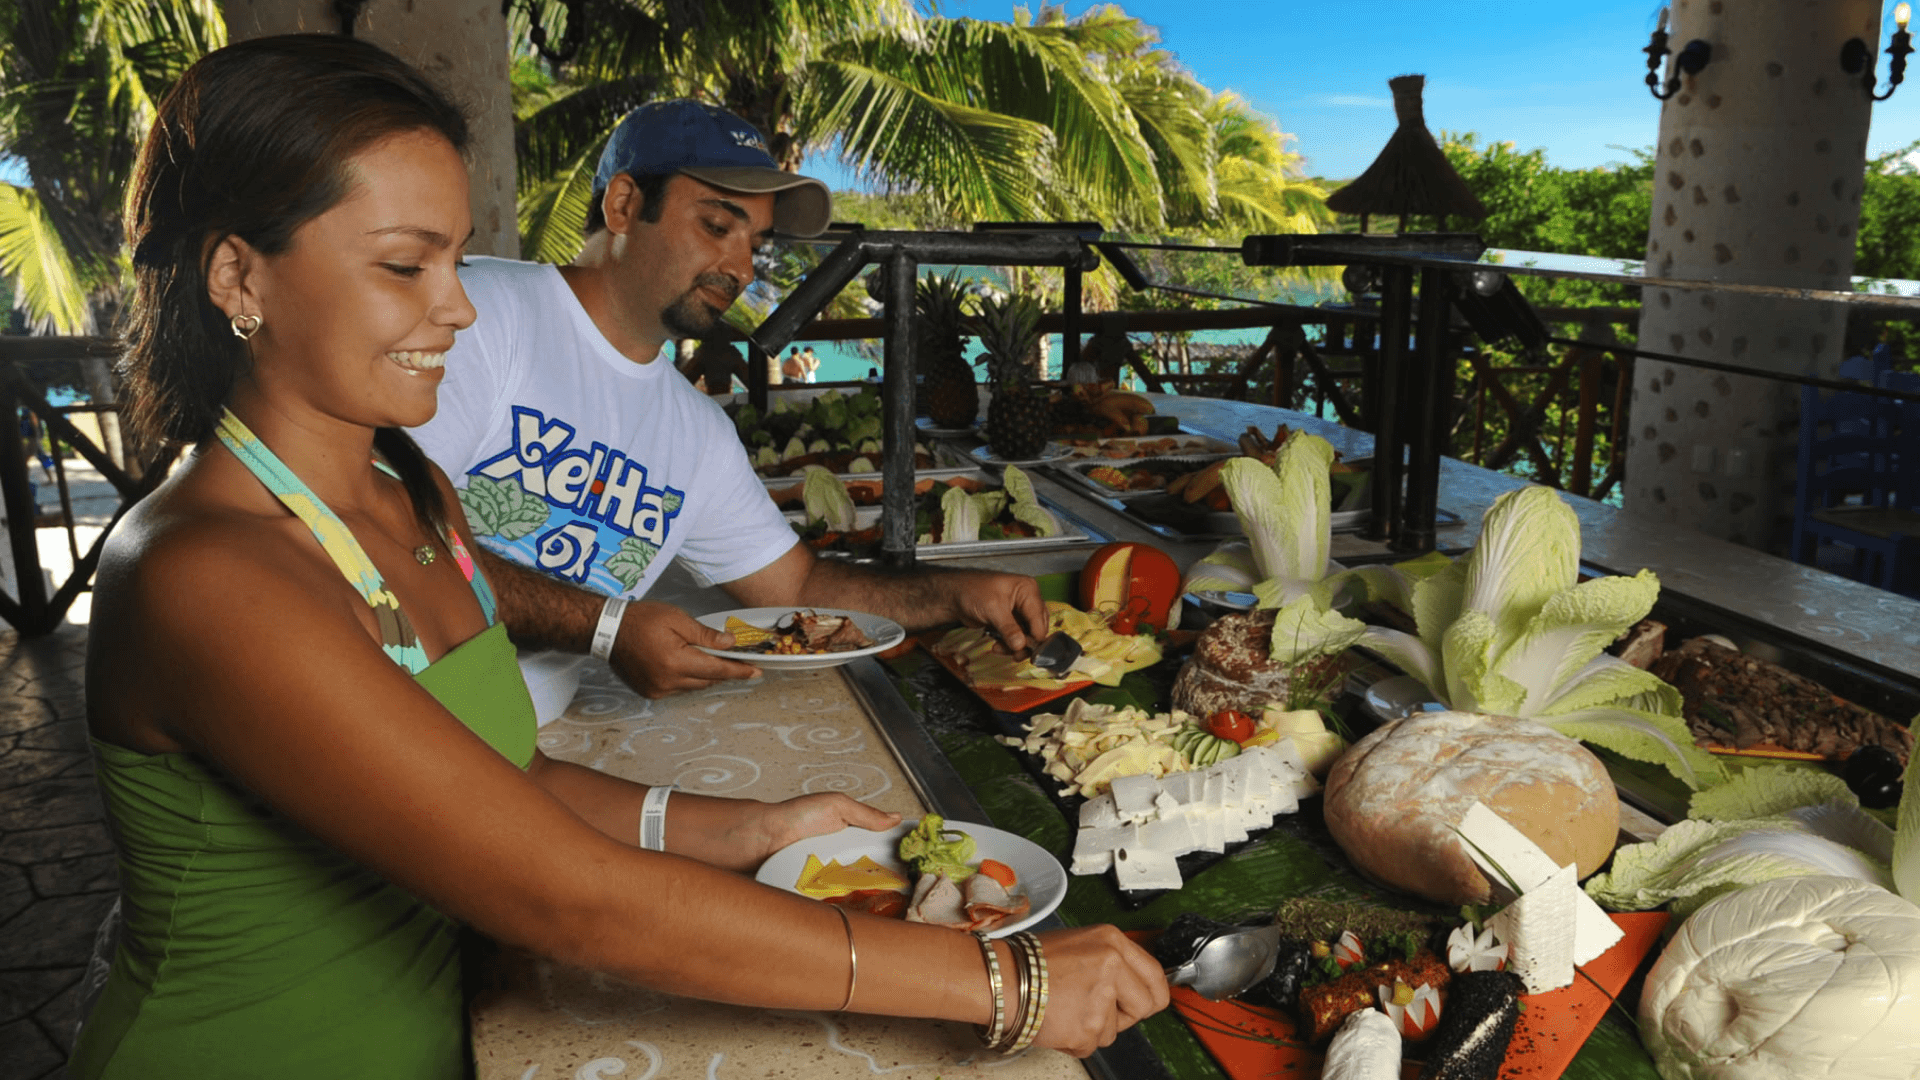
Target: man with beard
(586,465)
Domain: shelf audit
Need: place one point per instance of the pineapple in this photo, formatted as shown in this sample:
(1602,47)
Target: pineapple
(1019,417)
(947,389)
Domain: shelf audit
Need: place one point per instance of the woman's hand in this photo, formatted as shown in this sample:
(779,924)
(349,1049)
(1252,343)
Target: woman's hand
(758,829)
(1101,984)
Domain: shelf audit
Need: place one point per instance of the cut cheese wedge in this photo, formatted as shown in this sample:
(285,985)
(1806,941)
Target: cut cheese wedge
(824,881)
(1492,840)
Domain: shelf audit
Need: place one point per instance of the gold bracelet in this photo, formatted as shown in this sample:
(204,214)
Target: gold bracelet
(853,957)
(997,987)
(1036,1004)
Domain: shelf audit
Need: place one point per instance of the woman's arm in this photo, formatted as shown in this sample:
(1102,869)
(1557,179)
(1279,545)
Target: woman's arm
(277,683)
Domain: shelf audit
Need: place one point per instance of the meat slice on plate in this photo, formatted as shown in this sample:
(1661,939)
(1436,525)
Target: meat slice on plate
(989,903)
(938,901)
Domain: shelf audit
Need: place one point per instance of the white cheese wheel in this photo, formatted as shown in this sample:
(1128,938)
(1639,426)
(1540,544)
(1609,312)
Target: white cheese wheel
(1394,799)
(1795,977)
(1367,1047)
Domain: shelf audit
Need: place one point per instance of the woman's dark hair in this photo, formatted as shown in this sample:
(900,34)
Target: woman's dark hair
(253,142)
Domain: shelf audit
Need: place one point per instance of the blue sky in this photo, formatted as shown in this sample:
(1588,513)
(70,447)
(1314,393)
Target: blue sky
(1562,75)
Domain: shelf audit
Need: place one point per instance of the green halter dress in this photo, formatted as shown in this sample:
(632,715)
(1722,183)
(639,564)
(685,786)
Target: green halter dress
(250,948)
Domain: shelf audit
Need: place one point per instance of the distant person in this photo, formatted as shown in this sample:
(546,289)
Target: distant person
(794,368)
(812,362)
(714,366)
(873,374)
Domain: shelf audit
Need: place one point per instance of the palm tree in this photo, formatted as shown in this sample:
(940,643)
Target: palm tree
(78,83)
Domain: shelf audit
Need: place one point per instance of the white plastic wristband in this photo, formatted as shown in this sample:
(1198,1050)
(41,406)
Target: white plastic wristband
(653,819)
(608,628)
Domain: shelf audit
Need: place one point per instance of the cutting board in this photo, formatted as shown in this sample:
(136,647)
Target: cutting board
(1551,1030)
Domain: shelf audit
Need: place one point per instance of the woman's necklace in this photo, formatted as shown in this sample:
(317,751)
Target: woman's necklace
(424,554)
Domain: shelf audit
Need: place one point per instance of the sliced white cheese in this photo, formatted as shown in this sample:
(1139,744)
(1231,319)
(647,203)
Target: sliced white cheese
(1530,868)
(1211,830)
(1133,796)
(1091,861)
(1171,835)
(1137,868)
(1166,805)
(1184,787)
(1099,811)
(1538,929)
(1215,797)
(1234,792)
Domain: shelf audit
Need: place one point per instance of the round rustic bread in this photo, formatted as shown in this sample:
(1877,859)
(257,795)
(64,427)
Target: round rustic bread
(1232,668)
(1393,800)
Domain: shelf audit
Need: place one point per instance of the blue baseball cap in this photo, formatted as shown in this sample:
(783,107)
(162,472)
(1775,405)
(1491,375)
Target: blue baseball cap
(715,147)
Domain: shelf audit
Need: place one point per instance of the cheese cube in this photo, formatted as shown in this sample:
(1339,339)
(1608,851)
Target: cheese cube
(1136,868)
(1133,796)
(1093,848)
(1166,804)
(1099,811)
(1234,785)
(1215,797)
(1210,830)
(1091,862)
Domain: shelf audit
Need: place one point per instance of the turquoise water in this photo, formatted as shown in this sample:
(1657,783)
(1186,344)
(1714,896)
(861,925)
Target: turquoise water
(843,361)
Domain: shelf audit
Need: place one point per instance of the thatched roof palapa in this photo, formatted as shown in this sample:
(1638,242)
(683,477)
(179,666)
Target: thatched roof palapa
(1412,174)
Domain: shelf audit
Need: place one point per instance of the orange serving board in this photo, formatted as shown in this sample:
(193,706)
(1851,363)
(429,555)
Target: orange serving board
(1013,699)
(1552,1028)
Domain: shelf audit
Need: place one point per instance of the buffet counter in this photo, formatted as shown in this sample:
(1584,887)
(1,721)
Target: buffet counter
(853,729)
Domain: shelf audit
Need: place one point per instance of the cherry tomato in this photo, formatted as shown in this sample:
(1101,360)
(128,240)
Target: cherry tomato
(1230,724)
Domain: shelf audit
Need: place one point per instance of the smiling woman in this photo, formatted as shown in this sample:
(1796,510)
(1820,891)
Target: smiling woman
(316,783)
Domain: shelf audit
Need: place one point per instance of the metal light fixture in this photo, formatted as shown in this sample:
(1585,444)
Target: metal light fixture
(1692,59)
(1856,59)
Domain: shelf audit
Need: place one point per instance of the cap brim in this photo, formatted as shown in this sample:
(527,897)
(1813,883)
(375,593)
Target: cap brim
(802,206)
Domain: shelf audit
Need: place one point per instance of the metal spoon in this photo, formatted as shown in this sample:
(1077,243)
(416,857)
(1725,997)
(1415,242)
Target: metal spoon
(1230,963)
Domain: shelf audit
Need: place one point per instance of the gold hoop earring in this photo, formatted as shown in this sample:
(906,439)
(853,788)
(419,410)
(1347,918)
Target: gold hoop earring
(245,326)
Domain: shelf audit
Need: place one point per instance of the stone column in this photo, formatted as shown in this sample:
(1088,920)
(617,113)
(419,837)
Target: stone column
(1758,180)
(462,46)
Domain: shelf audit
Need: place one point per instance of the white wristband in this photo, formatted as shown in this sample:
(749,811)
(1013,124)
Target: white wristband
(653,819)
(609,627)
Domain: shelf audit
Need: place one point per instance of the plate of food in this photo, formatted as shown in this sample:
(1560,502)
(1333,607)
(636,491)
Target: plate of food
(802,639)
(925,871)
(1051,453)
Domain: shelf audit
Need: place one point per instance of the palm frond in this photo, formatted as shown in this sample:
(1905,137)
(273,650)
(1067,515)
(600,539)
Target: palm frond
(48,288)
(553,214)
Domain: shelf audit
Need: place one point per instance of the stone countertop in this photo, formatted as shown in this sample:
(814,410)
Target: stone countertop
(771,738)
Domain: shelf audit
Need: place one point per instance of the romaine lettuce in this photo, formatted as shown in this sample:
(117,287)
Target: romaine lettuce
(827,500)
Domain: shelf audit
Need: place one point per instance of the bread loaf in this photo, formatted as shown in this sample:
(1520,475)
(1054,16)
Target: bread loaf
(1393,800)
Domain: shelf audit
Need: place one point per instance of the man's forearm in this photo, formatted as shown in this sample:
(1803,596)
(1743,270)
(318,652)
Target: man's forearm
(916,599)
(540,612)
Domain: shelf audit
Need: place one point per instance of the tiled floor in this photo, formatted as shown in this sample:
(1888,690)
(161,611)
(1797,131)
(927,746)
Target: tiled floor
(56,860)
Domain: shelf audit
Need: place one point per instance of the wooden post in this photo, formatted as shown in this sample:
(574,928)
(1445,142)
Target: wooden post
(22,519)
(1583,431)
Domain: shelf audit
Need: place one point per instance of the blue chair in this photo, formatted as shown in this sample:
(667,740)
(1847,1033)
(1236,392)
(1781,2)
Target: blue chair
(1856,488)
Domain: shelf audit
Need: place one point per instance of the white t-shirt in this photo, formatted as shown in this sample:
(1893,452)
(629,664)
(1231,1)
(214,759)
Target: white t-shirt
(574,460)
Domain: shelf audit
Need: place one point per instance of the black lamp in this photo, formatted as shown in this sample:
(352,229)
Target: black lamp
(1692,59)
(1856,59)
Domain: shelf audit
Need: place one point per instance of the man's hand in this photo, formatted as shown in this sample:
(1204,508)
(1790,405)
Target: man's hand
(1009,605)
(655,652)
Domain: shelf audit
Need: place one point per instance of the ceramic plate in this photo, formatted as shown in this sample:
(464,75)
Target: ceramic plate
(1041,876)
(1401,695)
(1211,599)
(927,427)
(885,634)
(1053,452)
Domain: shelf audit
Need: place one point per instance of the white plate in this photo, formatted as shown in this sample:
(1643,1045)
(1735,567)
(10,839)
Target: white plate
(1398,696)
(885,634)
(927,427)
(1224,601)
(1041,876)
(1053,452)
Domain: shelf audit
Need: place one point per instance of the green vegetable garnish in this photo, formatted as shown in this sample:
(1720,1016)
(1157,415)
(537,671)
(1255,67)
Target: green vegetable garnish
(932,848)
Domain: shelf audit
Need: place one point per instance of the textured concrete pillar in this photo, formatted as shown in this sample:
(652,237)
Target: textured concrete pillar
(1759,174)
(462,46)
